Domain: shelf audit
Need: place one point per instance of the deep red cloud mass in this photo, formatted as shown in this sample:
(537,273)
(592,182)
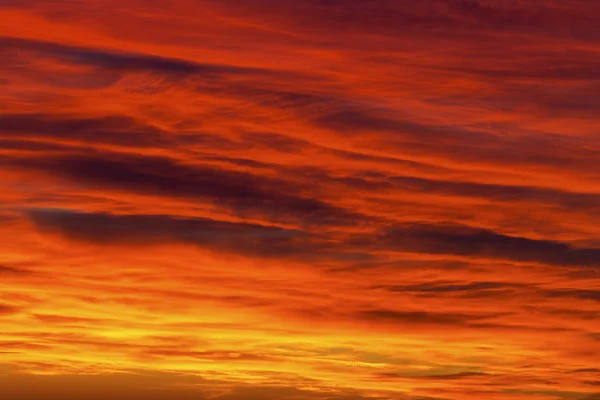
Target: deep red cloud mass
(289,200)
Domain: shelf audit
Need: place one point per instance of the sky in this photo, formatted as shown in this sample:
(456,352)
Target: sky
(300,200)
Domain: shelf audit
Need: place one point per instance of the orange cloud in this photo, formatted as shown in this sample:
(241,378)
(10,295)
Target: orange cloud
(334,200)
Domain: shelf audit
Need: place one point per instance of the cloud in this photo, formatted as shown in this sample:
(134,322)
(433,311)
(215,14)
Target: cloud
(450,287)
(152,386)
(7,309)
(212,355)
(419,317)
(383,131)
(117,130)
(242,193)
(6,270)
(317,199)
(504,193)
(34,146)
(509,194)
(556,72)
(458,375)
(121,61)
(443,19)
(461,240)
(117,386)
(363,119)
(586,370)
(242,238)
(583,294)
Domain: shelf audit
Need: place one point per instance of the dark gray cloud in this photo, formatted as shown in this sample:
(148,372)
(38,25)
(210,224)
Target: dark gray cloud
(20,131)
(582,294)
(461,240)
(496,192)
(118,130)
(563,313)
(420,317)
(35,146)
(121,61)
(374,181)
(221,236)
(242,193)
(238,238)
(357,119)
(457,375)
(449,287)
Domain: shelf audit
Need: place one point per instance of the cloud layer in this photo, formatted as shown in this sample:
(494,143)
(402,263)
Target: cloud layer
(334,200)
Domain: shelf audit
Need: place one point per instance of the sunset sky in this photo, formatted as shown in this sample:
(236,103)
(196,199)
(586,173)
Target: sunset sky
(300,199)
